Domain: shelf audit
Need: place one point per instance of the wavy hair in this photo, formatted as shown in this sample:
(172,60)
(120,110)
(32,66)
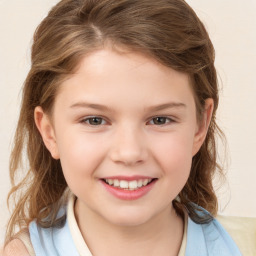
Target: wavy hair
(168,31)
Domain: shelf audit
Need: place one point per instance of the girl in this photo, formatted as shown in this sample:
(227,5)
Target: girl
(118,124)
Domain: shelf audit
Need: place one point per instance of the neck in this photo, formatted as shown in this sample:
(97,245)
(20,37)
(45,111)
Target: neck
(162,235)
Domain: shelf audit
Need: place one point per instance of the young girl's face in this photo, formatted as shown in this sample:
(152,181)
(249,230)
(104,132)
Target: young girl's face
(125,130)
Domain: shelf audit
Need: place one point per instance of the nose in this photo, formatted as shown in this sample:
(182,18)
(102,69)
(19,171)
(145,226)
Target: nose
(129,147)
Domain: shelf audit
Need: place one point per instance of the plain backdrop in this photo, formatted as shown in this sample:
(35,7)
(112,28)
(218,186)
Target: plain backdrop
(232,27)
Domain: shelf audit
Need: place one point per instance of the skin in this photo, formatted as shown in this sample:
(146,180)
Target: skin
(127,140)
(14,248)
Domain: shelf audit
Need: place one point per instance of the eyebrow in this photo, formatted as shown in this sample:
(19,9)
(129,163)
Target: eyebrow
(89,105)
(166,105)
(158,107)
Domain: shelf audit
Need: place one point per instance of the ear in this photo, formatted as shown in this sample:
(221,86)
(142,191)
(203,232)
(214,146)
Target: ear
(203,125)
(46,129)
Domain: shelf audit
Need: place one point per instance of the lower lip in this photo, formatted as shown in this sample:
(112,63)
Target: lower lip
(129,194)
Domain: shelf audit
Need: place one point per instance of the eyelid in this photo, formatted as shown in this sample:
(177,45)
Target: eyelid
(171,119)
(105,121)
(84,119)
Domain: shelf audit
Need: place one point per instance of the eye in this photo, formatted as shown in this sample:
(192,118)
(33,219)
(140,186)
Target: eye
(160,120)
(94,121)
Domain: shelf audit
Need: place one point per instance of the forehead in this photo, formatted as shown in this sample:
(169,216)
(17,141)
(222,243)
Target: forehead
(130,76)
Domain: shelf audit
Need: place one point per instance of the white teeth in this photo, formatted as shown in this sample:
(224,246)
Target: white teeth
(145,182)
(123,184)
(140,183)
(110,182)
(116,183)
(131,185)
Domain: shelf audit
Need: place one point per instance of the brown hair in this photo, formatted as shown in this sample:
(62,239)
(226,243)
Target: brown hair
(166,30)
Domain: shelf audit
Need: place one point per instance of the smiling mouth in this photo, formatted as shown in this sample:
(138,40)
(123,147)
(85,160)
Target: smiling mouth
(128,185)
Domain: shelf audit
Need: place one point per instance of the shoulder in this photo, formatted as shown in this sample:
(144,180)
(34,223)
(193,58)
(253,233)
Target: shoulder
(19,245)
(210,238)
(243,232)
(15,247)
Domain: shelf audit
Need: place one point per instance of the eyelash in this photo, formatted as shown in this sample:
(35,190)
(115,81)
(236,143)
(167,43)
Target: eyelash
(170,120)
(85,121)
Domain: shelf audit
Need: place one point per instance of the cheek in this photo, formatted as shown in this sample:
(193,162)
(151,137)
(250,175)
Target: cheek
(79,153)
(174,153)
(174,156)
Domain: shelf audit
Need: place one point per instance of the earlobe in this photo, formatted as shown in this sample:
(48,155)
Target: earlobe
(46,129)
(203,125)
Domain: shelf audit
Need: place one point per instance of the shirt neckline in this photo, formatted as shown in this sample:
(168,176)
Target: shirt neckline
(81,245)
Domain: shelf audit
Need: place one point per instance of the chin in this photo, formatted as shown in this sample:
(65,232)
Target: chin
(129,218)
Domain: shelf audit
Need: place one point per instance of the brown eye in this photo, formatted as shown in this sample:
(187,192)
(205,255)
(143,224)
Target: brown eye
(94,121)
(160,120)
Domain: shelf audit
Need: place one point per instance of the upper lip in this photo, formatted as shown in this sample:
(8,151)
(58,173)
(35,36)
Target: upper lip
(128,178)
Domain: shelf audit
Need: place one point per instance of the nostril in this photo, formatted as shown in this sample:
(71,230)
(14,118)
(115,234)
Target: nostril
(128,157)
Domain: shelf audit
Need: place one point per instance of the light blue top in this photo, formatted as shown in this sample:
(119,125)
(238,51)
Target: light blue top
(52,241)
(209,240)
(202,240)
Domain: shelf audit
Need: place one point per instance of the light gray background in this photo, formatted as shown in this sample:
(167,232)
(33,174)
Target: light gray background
(232,26)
